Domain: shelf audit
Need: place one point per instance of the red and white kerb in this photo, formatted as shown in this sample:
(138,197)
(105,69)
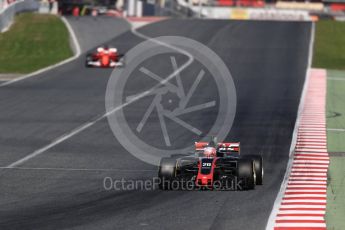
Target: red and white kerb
(304,202)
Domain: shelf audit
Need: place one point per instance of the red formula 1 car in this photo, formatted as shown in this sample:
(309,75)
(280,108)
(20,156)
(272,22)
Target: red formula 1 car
(104,57)
(214,165)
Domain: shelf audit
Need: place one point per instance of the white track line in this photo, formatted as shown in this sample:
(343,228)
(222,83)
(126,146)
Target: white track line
(76,55)
(309,201)
(307,182)
(300,157)
(311,165)
(308,170)
(299,218)
(311,154)
(79,169)
(12,5)
(305,195)
(336,78)
(99,118)
(304,206)
(301,225)
(271,220)
(336,130)
(311,161)
(311,212)
(306,186)
(294,173)
(308,178)
(304,190)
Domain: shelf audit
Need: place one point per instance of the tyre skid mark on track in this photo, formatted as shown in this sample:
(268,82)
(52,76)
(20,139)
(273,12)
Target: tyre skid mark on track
(95,120)
(307,183)
(271,224)
(82,169)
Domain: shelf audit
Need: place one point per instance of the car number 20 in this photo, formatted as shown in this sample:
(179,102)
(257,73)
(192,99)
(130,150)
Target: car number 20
(205,164)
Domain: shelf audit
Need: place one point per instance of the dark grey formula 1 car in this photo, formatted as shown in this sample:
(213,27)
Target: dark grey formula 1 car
(214,165)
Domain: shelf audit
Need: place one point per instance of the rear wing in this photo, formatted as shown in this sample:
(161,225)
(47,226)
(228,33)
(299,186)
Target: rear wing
(224,147)
(230,147)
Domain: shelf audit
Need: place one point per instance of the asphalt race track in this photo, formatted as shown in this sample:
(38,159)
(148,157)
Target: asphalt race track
(62,188)
(92,31)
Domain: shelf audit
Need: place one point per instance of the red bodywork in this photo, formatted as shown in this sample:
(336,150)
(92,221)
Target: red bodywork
(206,179)
(231,146)
(207,162)
(106,57)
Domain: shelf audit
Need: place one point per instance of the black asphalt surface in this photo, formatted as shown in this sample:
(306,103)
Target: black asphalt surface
(268,62)
(93,31)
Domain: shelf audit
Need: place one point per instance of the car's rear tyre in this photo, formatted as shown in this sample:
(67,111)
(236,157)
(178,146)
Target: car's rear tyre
(259,167)
(246,173)
(166,173)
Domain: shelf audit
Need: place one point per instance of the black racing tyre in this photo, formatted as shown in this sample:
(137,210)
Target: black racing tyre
(259,167)
(246,173)
(166,172)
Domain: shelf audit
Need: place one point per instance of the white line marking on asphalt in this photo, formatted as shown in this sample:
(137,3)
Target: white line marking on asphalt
(306,151)
(305,145)
(312,133)
(305,195)
(310,138)
(300,218)
(311,154)
(325,166)
(312,130)
(101,117)
(80,169)
(304,190)
(308,178)
(308,170)
(304,201)
(309,148)
(271,220)
(306,212)
(311,161)
(76,55)
(311,157)
(318,124)
(8,7)
(301,225)
(294,173)
(336,130)
(314,143)
(304,206)
(307,186)
(320,137)
(306,182)
(336,78)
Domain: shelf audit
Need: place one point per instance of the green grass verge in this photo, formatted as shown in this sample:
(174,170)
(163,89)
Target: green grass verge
(336,110)
(336,194)
(329,48)
(34,41)
(336,143)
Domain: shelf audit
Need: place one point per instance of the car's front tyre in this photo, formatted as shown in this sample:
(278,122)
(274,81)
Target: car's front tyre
(259,167)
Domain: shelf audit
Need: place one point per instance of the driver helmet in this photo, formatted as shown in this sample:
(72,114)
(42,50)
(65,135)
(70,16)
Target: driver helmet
(210,152)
